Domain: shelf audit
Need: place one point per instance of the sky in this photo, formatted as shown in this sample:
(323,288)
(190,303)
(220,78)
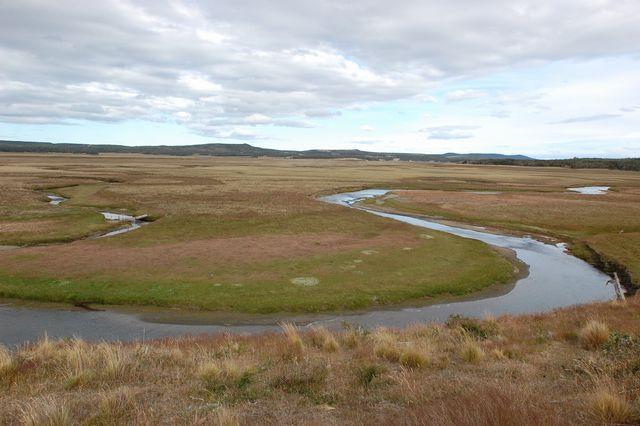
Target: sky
(545,78)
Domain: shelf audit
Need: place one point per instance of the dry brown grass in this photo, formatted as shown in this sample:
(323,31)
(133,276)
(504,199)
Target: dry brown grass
(608,407)
(594,334)
(471,352)
(226,417)
(415,375)
(45,412)
(292,334)
(324,339)
(6,361)
(413,358)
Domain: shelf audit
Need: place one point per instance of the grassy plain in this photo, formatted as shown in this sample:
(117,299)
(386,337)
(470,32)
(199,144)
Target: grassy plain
(229,234)
(537,202)
(232,233)
(572,367)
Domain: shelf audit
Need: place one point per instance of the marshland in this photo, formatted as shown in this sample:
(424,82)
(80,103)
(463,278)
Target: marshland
(233,238)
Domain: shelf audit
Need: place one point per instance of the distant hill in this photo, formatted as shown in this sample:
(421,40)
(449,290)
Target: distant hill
(242,150)
(246,150)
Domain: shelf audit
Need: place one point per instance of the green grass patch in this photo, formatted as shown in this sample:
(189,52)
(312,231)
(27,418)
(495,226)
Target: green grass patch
(444,266)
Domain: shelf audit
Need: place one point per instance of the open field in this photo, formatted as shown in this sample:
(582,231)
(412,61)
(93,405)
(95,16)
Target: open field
(245,235)
(574,366)
(229,234)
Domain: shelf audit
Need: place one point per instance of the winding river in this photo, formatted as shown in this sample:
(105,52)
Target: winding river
(555,279)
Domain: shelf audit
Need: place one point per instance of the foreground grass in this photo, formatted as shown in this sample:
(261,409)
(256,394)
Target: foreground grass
(573,366)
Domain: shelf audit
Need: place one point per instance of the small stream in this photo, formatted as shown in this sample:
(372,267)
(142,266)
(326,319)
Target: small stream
(556,279)
(132,222)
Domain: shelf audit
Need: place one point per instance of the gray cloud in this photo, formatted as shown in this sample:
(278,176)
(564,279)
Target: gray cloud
(585,118)
(212,65)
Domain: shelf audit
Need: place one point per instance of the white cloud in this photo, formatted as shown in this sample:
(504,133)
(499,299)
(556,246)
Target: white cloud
(198,82)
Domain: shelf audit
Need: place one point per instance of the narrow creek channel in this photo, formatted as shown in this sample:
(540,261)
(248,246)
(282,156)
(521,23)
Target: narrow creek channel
(556,279)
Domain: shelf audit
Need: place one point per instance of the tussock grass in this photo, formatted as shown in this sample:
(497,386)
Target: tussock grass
(6,361)
(366,374)
(324,339)
(116,406)
(594,334)
(413,358)
(76,372)
(45,411)
(114,360)
(352,337)
(430,373)
(385,345)
(295,345)
(471,352)
(609,407)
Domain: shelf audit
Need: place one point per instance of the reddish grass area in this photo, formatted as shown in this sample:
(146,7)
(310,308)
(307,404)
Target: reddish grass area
(80,258)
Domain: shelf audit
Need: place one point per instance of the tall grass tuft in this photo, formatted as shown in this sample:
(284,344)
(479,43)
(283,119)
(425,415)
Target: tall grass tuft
(114,361)
(6,361)
(116,406)
(367,373)
(471,352)
(385,345)
(45,412)
(42,352)
(75,372)
(413,358)
(220,376)
(295,343)
(324,339)
(594,334)
(608,407)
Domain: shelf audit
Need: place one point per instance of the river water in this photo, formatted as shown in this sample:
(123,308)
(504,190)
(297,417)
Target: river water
(556,279)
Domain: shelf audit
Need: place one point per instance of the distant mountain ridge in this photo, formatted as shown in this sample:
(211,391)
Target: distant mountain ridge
(243,150)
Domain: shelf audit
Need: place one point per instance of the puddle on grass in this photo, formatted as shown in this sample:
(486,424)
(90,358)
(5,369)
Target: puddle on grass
(590,190)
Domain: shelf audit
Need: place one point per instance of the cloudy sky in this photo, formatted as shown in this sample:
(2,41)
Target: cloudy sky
(546,78)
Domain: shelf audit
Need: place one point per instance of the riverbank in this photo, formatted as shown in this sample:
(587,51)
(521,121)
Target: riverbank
(571,366)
